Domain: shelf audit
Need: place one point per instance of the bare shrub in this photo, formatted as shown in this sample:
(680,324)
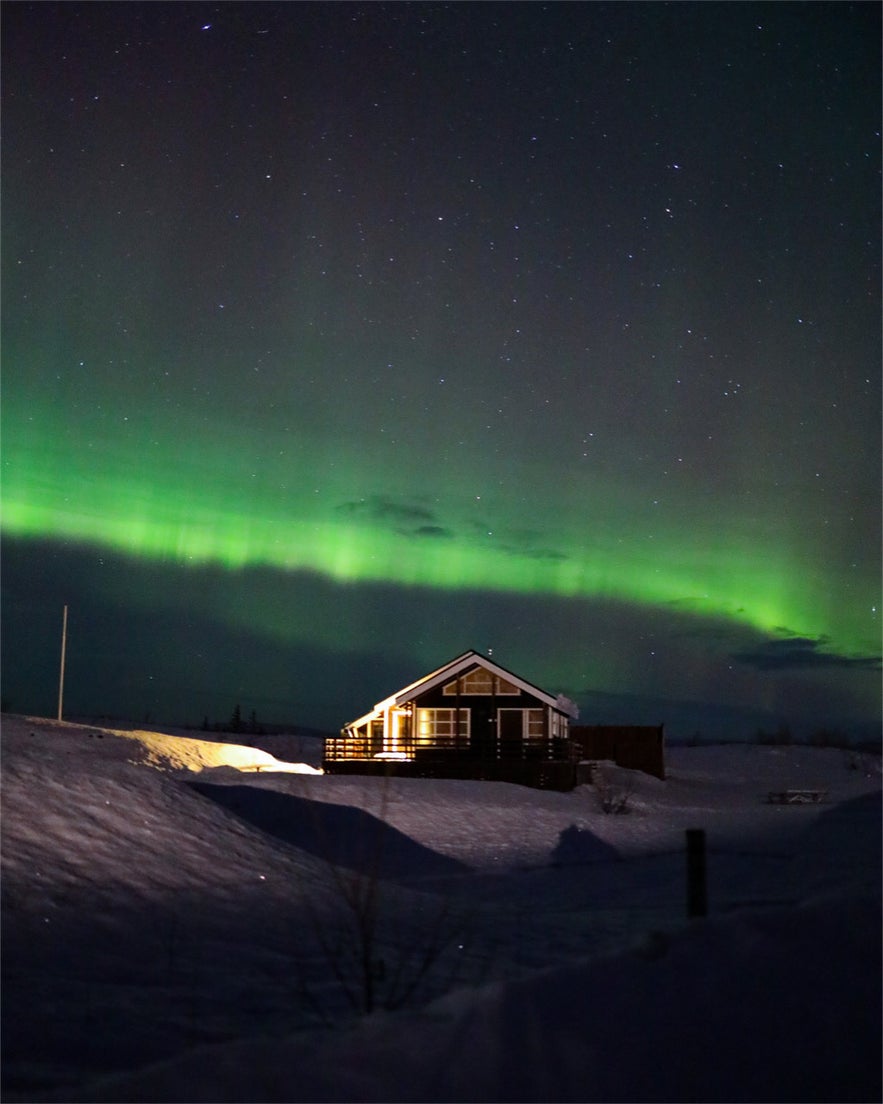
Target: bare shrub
(614,792)
(385,947)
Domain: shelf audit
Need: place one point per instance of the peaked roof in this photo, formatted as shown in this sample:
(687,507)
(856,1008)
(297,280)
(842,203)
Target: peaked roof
(463,663)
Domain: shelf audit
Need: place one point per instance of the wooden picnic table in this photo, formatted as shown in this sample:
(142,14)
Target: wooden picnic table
(796,797)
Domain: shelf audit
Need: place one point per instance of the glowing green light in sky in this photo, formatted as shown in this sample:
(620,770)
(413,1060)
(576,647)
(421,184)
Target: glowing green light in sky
(202,500)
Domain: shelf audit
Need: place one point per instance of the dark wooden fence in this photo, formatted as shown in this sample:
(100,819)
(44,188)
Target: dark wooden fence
(638,747)
(548,764)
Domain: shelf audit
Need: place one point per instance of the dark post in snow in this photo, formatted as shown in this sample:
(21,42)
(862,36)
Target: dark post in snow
(61,673)
(697,891)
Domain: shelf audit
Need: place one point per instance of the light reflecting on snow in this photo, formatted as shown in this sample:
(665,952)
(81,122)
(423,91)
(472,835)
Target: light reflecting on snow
(162,892)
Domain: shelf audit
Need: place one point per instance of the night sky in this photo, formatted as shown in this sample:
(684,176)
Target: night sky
(340,338)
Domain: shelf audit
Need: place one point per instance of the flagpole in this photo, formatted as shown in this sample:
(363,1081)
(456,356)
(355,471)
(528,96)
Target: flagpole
(61,674)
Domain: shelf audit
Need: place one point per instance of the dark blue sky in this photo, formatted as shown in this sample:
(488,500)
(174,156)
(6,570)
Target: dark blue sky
(341,338)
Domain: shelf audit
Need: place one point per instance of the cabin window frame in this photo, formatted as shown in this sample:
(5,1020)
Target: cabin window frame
(480,683)
(533,723)
(435,731)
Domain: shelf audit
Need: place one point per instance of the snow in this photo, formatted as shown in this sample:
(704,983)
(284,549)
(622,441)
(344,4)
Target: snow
(180,922)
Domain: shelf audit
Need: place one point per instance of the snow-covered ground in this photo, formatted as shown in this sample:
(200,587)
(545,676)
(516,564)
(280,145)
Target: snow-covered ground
(187,920)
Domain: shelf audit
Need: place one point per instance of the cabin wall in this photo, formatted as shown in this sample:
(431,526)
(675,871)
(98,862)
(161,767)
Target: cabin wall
(485,742)
(511,735)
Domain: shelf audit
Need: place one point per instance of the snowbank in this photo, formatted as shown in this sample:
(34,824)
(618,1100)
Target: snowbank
(161,932)
(774,1006)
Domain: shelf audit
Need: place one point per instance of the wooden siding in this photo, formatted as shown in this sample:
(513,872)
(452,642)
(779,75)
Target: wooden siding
(473,721)
(638,747)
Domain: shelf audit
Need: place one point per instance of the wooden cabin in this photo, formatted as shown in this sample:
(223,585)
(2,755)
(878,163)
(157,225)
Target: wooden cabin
(470,718)
(638,747)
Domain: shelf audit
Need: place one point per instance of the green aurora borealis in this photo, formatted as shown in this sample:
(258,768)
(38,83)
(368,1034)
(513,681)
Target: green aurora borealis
(191,504)
(308,324)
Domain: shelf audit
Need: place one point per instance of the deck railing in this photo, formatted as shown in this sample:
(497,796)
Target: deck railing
(350,747)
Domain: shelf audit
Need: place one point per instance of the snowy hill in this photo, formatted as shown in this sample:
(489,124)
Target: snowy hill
(188,920)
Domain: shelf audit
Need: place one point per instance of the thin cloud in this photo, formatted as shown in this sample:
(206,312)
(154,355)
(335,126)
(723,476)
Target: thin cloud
(802,652)
(542,554)
(520,542)
(437,532)
(386,511)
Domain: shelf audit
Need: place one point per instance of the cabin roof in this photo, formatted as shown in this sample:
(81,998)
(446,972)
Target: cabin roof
(463,663)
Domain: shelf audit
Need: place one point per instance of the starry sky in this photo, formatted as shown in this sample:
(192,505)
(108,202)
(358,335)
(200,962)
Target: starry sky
(339,338)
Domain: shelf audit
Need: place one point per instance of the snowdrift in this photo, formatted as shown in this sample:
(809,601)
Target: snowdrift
(167,919)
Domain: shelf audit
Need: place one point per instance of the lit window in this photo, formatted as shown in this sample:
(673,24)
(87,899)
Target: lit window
(534,725)
(481,681)
(437,728)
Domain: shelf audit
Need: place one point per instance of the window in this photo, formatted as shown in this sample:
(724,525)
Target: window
(534,727)
(521,724)
(436,728)
(481,681)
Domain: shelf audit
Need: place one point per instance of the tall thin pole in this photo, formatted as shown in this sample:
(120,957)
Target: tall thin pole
(61,675)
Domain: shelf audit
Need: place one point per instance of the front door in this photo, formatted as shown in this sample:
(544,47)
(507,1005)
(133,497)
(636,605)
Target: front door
(510,727)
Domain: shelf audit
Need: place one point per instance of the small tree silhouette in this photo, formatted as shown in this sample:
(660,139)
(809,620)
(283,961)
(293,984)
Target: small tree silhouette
(236,719)
(377,963)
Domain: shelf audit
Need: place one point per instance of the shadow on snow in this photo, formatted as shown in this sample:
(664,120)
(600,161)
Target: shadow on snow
(342,835)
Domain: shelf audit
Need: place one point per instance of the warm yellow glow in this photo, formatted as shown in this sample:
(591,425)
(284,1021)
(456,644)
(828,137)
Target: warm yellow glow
(167,752)
(480,682)
(183,753)
(438,727)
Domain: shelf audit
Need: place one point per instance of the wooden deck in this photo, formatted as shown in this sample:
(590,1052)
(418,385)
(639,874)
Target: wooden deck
(539,774)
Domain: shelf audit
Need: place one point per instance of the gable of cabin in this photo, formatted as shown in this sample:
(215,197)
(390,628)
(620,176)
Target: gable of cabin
(486,714)
(468,709)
